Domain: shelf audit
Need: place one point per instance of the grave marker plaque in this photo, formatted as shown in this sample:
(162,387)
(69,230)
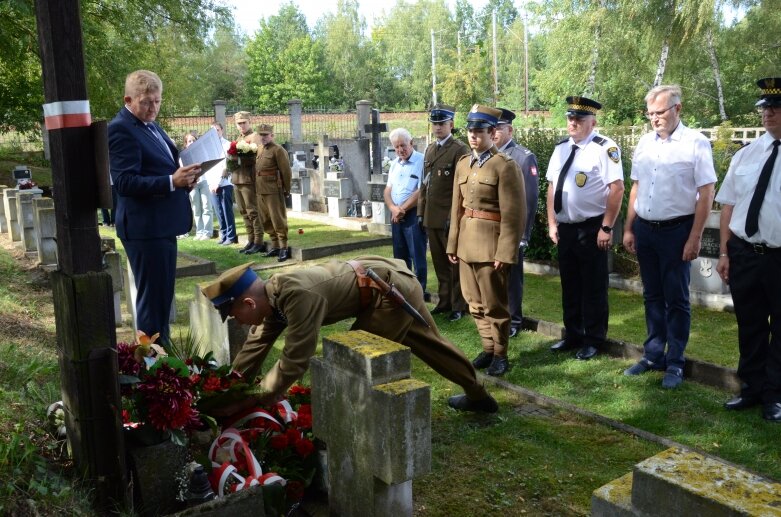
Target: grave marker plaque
(332,188)
(710,243)
(377,192)
(295,186)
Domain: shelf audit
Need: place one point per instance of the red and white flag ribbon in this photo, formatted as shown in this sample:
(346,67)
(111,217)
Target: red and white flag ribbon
(65,114)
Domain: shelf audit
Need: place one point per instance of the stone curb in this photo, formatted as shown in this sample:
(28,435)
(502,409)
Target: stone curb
(199,266)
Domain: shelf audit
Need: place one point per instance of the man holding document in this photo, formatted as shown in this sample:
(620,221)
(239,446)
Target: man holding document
(152,202)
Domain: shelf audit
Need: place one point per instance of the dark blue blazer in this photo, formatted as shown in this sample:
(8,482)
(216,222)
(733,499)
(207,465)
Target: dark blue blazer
(140,169)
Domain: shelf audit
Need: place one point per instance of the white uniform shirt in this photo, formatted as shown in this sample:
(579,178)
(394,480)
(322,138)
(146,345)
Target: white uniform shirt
(669,172)
(405,178)
(738,189)
(598,164)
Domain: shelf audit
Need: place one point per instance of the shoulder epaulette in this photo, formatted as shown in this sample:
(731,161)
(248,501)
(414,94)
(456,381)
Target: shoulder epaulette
(464,156)
(599,140)
(563,141)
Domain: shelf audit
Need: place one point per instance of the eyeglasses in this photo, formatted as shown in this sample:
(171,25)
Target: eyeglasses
(651,114)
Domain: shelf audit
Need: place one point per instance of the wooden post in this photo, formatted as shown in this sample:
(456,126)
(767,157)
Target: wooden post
(82,292)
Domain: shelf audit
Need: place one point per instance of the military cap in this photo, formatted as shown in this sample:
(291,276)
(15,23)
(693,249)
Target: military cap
(770,92)
(229,286)
(241,116)
(482,116)
(441,113)
(507,117)
(265,129)
(582,106)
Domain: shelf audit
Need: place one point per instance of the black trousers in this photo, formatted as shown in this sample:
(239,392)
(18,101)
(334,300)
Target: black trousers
(755,283)
(583,270)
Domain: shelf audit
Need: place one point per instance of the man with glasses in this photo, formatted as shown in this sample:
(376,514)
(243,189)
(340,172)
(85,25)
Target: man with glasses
(585,190)
(439,166)
(671,197)
(750,257)
(527,163)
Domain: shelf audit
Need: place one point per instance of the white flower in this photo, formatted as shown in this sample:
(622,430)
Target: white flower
(246,147)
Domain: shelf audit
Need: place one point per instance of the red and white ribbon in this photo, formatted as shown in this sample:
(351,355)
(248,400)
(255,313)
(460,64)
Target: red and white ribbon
(232,441)
(65,114)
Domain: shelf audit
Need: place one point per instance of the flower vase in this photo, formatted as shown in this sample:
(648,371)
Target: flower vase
(146,435)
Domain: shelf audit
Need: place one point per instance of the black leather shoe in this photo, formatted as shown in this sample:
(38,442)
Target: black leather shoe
(439,310)
(273,252)
(514,331)
(771,411)
(246,247)
(254,249)
(483,360)
(562,346)
(462,403)
(262,247)
(499,367)
(455,316)
(741,402)
(586,353)
(284,254)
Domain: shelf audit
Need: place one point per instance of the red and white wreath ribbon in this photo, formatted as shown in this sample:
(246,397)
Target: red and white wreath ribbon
(239,452)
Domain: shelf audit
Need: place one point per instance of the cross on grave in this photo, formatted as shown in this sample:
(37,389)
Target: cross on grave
(375,128)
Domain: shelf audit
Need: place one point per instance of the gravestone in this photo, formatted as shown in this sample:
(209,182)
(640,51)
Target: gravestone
(113,264)
(338,189)
(376,129)
(225,339)
(26,215)
(132,291)
(375,421)
(9,205)
(704,277)
(300,190)
(381,216)
(3,219)
(45,223)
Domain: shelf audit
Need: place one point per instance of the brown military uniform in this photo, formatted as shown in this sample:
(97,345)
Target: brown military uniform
(488,203)
(306,299)
(243,178)
(439,166)
(272,184)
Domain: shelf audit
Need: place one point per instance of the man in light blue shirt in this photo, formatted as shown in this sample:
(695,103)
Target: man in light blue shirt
(401,198)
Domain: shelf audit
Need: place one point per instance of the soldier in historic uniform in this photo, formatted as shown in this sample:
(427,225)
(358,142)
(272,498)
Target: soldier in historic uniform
(243,178)
(488,216)
(302,301)
(272,186)
(439,166)
(527,163)
(585,191)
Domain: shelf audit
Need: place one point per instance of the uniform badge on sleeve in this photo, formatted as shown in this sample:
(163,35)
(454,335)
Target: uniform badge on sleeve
(614,154)
(580,179)
(533,170)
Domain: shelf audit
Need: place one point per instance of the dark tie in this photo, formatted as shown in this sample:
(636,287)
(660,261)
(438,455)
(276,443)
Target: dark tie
(560,182)
(752,218)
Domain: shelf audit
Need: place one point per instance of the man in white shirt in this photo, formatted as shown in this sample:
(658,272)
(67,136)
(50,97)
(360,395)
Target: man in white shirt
(671,197)
(750,257)
(585,190)
(221,190)
(401,197)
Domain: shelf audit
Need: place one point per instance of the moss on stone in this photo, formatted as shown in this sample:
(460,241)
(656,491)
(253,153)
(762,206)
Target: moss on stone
(400,387)
(366,344)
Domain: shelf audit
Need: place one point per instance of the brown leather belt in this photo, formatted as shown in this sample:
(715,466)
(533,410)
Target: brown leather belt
(268,172)
(364,283)
(483,214)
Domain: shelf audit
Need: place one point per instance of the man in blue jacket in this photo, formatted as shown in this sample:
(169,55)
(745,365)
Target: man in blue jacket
(152,202)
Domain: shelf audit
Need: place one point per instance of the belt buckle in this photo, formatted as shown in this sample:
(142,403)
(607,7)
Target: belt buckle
(759,249)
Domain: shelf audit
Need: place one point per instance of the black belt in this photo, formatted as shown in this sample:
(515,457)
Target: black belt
(667,222)
(591,221)
(758,248)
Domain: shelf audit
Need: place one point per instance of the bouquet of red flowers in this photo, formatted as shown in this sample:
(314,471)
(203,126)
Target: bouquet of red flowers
(241,153)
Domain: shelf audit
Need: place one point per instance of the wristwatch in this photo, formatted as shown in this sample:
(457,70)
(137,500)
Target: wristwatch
(606,229)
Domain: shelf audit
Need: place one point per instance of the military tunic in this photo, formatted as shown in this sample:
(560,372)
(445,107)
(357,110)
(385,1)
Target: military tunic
(306,299)
(436,195)
(492,186)
(272,185)
(243,178)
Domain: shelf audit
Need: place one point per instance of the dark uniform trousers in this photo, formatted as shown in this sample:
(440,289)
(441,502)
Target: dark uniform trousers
(755,284)
(450,296)
(584,282)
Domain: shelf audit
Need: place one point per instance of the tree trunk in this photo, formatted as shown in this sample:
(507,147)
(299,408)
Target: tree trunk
(592,76)
(662,62)
(714,61)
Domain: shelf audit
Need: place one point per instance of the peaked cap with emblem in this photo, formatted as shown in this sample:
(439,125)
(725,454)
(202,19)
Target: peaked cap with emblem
(482,116)
(241,116)
(441,113)
(582,106)
(506,118)
(770,92)
(265,129)
(229,286)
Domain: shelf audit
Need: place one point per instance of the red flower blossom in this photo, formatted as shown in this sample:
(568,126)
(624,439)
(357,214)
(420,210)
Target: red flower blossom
(126,359)
(304,447)
(294,490)
(304,421)
(212,383)
(293,436)
(279,441)
(168,399)
(232,149)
